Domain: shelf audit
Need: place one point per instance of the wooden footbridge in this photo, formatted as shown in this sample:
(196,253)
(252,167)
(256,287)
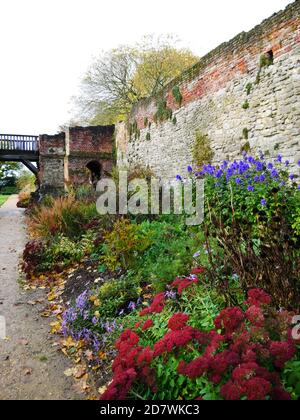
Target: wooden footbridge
(20,148)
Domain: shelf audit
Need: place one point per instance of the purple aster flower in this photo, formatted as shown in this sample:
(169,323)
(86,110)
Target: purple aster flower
(132,306)
(292,177)
(263,202)
(190,169)
(287,162)
(86,334)
(256,178)
(178,178)
(95,321)
(250,188)
(171,295)
(96,344)
(298,162)
(298,187)
(238,181)
(274,173)
(279,159)
(81,301)
(197,255)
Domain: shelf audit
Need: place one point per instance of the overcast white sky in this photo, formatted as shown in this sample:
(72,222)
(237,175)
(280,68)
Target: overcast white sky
(46,45)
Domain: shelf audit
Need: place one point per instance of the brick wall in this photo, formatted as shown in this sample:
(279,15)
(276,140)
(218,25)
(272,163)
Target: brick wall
(64,157)
(214,93)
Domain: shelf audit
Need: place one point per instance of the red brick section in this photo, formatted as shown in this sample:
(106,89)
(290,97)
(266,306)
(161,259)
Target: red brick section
(91,139)
(50,144)
(280,33)
(86,144)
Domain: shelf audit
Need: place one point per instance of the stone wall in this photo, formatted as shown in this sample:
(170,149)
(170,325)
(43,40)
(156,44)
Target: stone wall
(231,97)
(52,161)
(64,157)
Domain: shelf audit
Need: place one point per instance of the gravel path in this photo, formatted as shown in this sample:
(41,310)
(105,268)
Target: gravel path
(30,366)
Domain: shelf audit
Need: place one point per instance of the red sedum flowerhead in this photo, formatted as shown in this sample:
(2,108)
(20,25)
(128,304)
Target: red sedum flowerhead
(178,322)
(229,319)
(257,297)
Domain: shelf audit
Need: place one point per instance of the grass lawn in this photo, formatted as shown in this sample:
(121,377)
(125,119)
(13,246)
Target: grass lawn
(3,198)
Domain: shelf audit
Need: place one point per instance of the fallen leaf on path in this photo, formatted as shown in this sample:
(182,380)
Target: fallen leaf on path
(82,386)
(102,389)
(28,371)
(69,342)
(55,327)
(89,355)
(70,372)
(79,372)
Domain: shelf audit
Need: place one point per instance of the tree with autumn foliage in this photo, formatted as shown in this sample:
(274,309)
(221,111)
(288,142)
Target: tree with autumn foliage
(119,78)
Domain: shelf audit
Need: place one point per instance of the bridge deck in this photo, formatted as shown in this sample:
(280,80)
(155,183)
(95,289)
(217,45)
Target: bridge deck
(20,148)
(18,143)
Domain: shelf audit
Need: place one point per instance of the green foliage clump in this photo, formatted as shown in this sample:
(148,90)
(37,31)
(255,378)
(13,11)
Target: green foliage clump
(115,295)
(249,88)
(246,148)
(246,105)
(202,151)
(163,113)
(266,60)
(177,95)
(122,245)
(291,377)
(170,252)
(245,133)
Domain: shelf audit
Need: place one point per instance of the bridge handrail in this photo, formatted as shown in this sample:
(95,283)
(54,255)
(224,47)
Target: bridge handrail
(25,143)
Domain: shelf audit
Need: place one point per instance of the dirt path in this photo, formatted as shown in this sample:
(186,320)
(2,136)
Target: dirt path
(30,366)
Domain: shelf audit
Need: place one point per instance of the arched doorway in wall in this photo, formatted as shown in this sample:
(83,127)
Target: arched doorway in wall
(95,169)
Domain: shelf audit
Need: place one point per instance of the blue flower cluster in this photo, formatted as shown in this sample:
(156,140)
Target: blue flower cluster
(248,172)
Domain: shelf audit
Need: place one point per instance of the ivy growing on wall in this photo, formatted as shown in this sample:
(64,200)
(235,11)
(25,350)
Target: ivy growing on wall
(177,95)
(163,112)
(245,133)
(134,131)
(246,104)
(246,148)
(249,88)
(202,151)
(265,60)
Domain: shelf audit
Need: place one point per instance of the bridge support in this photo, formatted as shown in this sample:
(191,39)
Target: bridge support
(30,166)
